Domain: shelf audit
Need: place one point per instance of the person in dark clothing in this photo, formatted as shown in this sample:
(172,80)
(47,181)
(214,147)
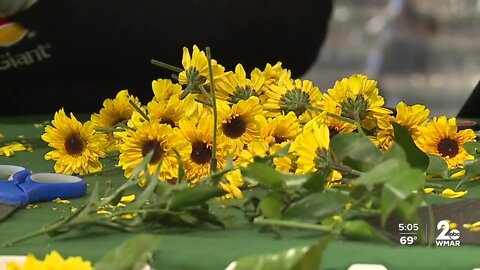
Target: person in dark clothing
(74,54)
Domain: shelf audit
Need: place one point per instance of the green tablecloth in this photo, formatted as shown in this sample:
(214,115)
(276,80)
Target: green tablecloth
(202,249)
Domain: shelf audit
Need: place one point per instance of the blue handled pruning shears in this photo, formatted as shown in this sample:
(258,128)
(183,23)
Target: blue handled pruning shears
(18,186)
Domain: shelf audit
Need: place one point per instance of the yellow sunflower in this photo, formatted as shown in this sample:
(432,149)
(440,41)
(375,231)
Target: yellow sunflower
(272,74)
(274,133)
(168,112)
(234,180)
(200,137)
(410,117)
(312,147)
(235,86)
(196,73)
(286,164)
(77,147)
(358,97)
(114,111)
(442,138)
(159,138)
(163,89)
(53,261)
(335,125)
(237,123)
(293,96)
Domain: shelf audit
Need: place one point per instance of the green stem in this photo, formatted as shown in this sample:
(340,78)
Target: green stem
(213,162)
(332,115)
(344,169)
(206,103)
(204,92)
(166,66)
(294,224)
(358,123)
(136,108)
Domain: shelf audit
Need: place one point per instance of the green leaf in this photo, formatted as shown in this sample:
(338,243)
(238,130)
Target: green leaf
(315,183)
(472,148)
(399,188)
(437,166)
(395,151)
(131,255)
(472,170)
(362,230)
(316,206)
(355,150)
(198,195)
(382,172)
(301,258)
(264,174)
(271,205)
(415,157)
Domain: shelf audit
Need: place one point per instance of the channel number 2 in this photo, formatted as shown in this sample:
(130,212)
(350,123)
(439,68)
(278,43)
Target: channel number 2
(445,227)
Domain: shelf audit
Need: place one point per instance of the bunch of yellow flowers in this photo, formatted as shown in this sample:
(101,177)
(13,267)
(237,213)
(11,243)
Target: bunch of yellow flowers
(211,112)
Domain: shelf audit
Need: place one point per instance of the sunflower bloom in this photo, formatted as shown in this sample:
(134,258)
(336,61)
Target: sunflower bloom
(312,147)
(77,147)
(272,74)
(196,73)
(335,125)
(199,136)
(235,86)
(237,123)
(293,96)
(115,111)
(163,89)
(358,97)
(161,139)
(410,117)
(53,261)
(442,138)
(274,133)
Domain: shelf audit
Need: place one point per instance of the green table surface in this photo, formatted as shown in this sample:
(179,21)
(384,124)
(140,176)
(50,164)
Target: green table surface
(200,249)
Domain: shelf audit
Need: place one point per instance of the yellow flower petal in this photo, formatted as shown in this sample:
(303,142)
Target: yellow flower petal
(428,190)
(60,201)
(449,193)
(104,212)
(128,198)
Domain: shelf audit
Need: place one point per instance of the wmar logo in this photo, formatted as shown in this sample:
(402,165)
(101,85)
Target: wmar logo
(447,237)
(11,33)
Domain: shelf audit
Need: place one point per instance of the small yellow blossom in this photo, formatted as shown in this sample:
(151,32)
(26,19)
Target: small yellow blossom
(53,261)
(449,193)
(104,212)
(128,198)
(428,190)
(10,148)
(60,201)
(475,227)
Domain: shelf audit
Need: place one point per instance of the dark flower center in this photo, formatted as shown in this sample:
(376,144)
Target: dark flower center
(74,144)
(447,148)
(241,93)
(279,139)
(168,121)
(333,131)
(351,107)
(201,152)
(154,146)
(235,127)
(295,101)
